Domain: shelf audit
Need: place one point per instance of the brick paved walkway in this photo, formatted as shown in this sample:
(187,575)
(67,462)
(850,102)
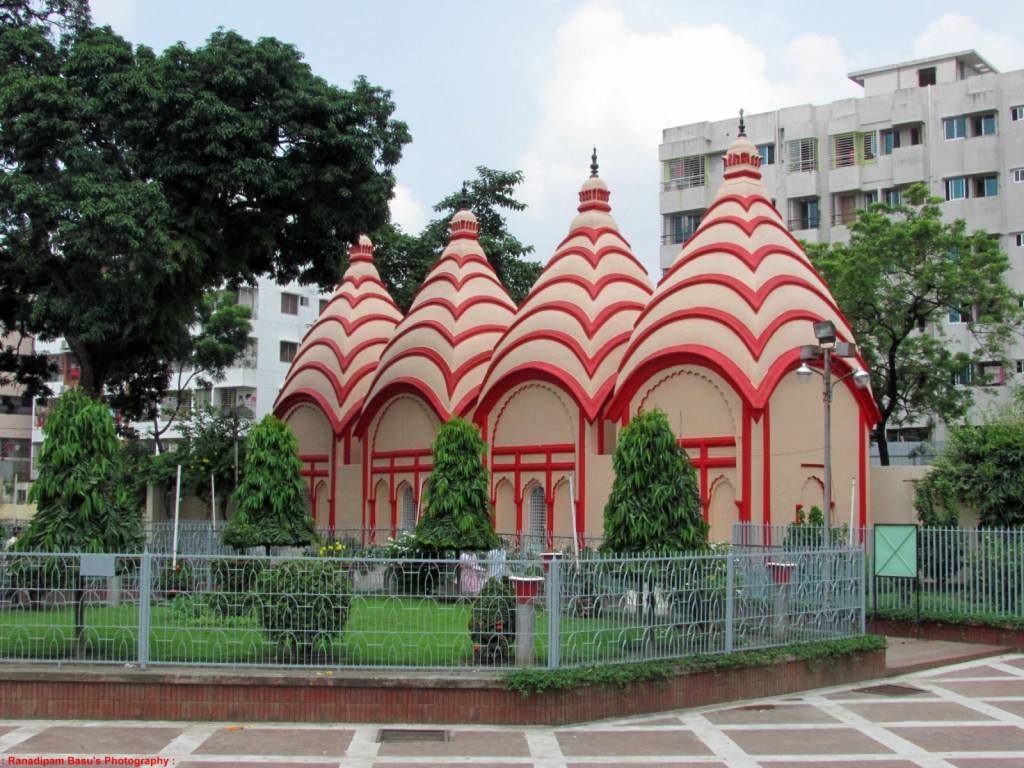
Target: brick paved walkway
(970,715)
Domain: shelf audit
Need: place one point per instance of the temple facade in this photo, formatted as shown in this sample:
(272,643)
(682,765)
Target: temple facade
(715,346)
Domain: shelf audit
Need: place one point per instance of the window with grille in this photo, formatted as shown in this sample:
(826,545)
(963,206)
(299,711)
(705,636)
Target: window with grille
(767,153)
(289,304)
(844,150)
(537,525)
(685,172)
(869,145)
(288,351)
(892,196)
(407,521)
(800,155)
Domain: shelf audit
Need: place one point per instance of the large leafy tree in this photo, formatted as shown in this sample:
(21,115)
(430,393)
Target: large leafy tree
(83,499)
(457,514)
(978,468)
(654,507)
(132,182)
(270,501)
(902,272)
(404,260)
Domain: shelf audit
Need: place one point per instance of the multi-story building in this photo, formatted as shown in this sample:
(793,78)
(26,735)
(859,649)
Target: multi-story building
(952,122)
(281,315)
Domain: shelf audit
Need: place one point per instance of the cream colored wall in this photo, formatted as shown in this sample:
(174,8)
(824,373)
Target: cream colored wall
(311,428)
(599,488)
(404,423)
(348,495)
(17,511)
(892,495)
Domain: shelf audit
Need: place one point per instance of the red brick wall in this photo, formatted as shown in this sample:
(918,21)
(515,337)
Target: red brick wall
(957,633)
(90,694)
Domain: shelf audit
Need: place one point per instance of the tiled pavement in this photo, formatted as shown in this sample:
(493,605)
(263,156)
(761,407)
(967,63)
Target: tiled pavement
(965,716)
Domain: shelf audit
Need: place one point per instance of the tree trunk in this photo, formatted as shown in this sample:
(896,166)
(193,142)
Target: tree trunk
(883,445)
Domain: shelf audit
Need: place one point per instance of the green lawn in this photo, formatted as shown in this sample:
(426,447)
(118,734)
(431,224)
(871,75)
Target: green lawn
(381,631)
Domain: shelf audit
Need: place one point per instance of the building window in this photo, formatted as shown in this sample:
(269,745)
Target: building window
(681,227)
(985,186)
(983,125)
(964,376)
(893,196)
(1020,366)
(956,189)
(407,521)
(685,172)
(991,374)
(868,145)
(926,76)
(303,301)
(804,213)
(288,351)
(323,305)
(915,135)
(870,198)
(1018,239)
(844,150)
(249,357)
(1017,113)
(956,317)
(1018,175)
(538,518)
(249,297)
(954,128)
(908,434)
(767,153)
(801,155)
(289,304)
(890,140)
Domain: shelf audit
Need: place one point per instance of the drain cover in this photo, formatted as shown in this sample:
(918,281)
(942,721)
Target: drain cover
(411,734)
(889,689)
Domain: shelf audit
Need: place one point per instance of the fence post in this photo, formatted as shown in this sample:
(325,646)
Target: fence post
(553,596)
(730,603)
(862,572)
(145,601)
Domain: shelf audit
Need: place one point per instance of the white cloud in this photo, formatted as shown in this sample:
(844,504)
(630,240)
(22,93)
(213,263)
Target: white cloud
(407,212)
(618,88)
(956,32)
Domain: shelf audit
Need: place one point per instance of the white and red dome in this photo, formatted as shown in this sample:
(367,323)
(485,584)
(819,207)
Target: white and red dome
(574,325)
(740,298)
(443,346)
(335,363)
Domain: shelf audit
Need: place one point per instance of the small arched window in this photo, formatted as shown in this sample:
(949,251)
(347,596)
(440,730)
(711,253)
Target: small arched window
(407,510)
(537,523)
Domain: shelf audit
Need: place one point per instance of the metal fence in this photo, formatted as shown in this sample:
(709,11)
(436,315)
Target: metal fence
(198,537)
(431,614)
(961,572)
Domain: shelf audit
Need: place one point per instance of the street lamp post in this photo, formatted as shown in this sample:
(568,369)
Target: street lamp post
(827,346)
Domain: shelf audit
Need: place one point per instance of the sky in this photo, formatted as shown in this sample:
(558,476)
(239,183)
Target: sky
(535,85)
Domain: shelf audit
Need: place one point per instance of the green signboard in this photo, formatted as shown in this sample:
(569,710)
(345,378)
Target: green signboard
(896,551)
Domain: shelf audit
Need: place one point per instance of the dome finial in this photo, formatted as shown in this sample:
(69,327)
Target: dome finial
(743,128)
(593,164)
(464,200)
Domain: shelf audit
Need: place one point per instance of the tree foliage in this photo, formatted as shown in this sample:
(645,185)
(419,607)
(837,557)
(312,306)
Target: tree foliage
(83,499)
(457,514)
(209,442)
(979,468)
(902,272)
(654,507)
(270,501)
(134,182)
(405,260)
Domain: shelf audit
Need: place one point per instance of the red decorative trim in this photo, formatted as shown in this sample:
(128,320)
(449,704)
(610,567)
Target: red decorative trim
(704,461)
(307,396)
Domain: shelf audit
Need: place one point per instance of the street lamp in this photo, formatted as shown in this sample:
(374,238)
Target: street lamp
(824,350)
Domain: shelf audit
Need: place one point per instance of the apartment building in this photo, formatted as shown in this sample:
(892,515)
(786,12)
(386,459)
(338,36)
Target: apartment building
(281,315)
(953,122)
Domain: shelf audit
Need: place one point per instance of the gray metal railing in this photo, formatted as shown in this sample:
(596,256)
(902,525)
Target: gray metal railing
(965,572)
(365,612)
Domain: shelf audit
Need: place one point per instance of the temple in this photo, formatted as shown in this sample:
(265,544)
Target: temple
(715,346)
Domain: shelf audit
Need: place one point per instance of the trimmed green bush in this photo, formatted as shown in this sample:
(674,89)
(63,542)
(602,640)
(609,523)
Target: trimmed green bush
(492,624)
(303,606)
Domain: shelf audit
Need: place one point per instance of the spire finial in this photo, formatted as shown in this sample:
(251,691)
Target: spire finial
(593,164)
(743,128)
(464,200)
